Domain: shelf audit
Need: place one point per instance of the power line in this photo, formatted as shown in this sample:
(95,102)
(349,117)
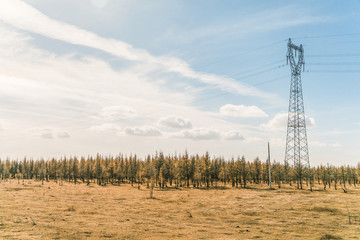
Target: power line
(328,36)
(334,63)
(228,58)
(333,71)
(335,55)
(260,72)
(253,85)
(269,81)
(262,67)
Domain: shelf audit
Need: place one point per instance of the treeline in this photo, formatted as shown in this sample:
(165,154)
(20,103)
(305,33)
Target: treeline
(181,170)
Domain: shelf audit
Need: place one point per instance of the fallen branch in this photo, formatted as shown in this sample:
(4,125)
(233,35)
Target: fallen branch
(33,222)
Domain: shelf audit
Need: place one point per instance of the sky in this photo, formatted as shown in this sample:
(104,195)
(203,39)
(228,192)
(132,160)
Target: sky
(135,77)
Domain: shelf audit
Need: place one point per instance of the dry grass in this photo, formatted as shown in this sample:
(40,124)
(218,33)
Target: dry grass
(50,211)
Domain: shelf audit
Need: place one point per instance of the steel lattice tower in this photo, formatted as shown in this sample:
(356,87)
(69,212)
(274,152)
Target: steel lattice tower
(296,140)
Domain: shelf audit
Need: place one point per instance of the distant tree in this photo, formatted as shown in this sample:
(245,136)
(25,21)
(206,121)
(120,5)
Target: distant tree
(335,176)
(257,170)
(214,171)
(75,169)
(185,168)
(324,176)
(197,173)
(88,170)
(1,170)
(139,173)
(329,175)
(244,171)
(205,162)
(18,176)
(152,174)
(42,170)
(132,169)
(177,173)
(82,169)
(343,176)
(159,161)
(165,172)
(278,173)
(98,171)
(224,173)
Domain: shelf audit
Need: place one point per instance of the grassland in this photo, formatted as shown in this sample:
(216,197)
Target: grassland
(50,211)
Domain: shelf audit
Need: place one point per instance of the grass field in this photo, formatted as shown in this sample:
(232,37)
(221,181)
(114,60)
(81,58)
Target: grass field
(50,211)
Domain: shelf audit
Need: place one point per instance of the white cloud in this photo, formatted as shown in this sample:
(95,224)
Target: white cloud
(310,122)
(49,133)
(105,127)
(317,144)
(199,134)
(173,121)
(68,90)
(324,144)
(25,17)
(277,142)
(118,112)
(241,111)
(69,87)
(279,122)
(145,131)
(335,145)
(254,140)
(233,135)
(63,134)
(99,3)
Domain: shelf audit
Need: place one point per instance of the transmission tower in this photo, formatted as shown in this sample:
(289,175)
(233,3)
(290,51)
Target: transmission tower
(296,140)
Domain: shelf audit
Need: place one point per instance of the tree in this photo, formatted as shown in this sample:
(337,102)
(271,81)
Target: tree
(205,164)
(98,171)
(197,173)
(82,169)
(224,173)
(257,170)
(278,173)
(75,169)
(244,171)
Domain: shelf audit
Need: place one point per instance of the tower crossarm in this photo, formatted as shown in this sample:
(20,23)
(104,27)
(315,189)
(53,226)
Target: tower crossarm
(290,57)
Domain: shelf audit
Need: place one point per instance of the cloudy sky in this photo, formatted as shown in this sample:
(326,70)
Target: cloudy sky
(109,76)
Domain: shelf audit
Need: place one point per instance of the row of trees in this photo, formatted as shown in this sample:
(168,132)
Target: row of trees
(181,170)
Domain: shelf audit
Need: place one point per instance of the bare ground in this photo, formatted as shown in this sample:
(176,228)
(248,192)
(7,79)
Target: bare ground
(50,211)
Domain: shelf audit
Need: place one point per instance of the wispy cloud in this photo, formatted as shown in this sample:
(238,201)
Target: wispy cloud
(63,134)
(241,111)
(264,21)
(105,127)
(199,134)
(324,144)
(118,112)
(279,122)
(99,3)
(25,17)
(144,131)
(176,122)
(49,133)
(233,135)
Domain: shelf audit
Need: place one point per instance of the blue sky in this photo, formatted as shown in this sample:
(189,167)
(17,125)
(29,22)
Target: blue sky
(105,76)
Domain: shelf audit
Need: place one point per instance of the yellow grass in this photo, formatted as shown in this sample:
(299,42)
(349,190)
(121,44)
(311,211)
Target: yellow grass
(50,211)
